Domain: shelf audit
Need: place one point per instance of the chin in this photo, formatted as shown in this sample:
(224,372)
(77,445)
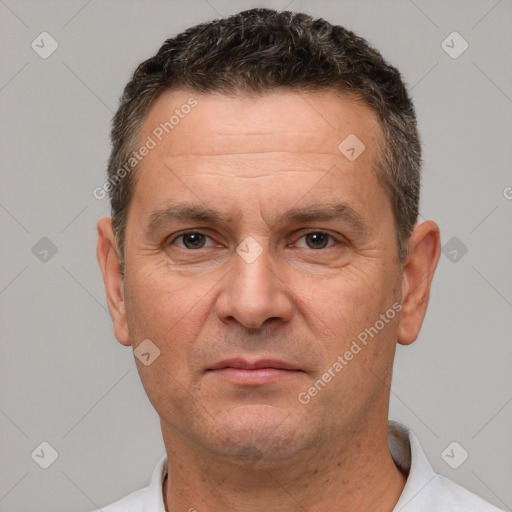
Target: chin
(257,434)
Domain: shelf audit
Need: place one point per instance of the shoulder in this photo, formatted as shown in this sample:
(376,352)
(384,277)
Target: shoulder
(426,490)
(456,498)
(133,502)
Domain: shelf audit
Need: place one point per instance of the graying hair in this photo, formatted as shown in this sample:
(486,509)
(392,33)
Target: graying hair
(262,50)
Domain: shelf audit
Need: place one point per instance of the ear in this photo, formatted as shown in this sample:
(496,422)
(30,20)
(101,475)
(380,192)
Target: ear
(418,271)
(109,260)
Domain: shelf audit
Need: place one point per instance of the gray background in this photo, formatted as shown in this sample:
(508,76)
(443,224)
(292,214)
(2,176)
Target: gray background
(65,379)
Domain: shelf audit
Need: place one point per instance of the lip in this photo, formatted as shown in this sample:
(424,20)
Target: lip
(262,371)
(243,364)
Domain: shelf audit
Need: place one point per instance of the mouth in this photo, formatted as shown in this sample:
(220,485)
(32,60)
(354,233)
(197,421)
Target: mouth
(263,371)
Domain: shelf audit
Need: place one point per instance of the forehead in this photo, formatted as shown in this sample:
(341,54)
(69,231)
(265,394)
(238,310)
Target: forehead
(273,147)
(182,121)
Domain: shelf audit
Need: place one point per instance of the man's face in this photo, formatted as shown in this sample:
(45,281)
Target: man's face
(293,257)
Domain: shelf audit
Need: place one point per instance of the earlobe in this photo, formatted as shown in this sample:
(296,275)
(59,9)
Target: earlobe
(110,265)
(418,272)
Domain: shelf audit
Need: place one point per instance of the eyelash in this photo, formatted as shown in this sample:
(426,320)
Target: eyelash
(337,240)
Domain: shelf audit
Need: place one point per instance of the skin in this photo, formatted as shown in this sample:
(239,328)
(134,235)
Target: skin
(241,447)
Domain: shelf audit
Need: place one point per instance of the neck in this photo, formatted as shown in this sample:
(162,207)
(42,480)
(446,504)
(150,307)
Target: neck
(360,476)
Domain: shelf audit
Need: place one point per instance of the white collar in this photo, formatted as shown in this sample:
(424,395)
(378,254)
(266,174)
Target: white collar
(424,491)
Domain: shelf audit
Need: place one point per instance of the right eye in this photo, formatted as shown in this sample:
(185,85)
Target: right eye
(191,240)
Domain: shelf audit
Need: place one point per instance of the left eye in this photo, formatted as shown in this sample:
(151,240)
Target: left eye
(317,240)
(192,240)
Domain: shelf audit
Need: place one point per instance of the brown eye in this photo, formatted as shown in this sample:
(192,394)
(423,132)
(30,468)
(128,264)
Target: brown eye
(317,240)
(193,240)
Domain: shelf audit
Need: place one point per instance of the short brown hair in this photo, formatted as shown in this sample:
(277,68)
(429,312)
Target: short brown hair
(261,50)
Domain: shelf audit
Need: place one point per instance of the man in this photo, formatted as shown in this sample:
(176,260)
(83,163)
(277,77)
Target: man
(263,260)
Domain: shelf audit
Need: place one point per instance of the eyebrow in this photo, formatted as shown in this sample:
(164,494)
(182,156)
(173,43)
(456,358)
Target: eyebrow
(317,212)
(325,212)
(185,213)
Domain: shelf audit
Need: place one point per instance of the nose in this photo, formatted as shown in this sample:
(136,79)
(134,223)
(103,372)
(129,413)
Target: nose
(252,293)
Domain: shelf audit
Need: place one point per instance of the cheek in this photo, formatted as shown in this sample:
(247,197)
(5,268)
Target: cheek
(160,301)
(170,312)
(346,303)
(354,337)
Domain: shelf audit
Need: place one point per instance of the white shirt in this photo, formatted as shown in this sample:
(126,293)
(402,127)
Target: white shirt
(424,491)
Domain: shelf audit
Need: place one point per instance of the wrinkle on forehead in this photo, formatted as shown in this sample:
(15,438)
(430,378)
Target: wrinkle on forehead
(286,121)
(227,144)
(250,165)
